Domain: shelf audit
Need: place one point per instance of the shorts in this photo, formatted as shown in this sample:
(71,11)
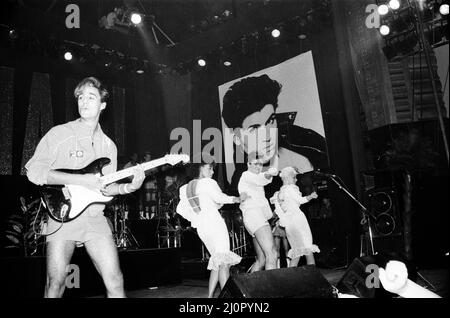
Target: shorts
(82,229)
(254,219)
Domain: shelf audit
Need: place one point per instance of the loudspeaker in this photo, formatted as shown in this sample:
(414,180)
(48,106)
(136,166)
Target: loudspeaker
(295,282)
(383,203)
(385,197)
(356,280)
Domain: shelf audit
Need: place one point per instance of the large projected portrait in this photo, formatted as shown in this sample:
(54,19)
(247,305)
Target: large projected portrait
(276,113)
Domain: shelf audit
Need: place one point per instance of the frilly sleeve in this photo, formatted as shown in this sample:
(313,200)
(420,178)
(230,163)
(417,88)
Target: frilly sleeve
(184,208)
(294,193)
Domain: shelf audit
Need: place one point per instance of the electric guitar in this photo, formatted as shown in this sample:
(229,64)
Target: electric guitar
(64,203)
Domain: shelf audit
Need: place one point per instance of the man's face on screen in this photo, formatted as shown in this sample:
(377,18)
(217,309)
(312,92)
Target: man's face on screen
(259,133)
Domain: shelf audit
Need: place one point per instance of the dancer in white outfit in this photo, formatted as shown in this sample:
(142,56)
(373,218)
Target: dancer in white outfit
(287,206)
(256,211)
(200,200)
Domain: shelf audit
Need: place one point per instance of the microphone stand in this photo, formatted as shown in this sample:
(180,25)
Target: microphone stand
(366,214)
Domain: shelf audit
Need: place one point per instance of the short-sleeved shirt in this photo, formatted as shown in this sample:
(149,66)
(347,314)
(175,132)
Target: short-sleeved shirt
(73,145)
(253,184)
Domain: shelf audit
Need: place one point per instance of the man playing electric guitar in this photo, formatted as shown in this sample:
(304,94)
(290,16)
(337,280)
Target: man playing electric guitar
(72,146)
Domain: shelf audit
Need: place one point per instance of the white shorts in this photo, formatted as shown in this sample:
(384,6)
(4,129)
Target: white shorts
(84,228)
(254,219)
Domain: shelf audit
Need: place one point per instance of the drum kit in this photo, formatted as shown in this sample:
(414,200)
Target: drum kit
(148,203)
(153,203)
(117,216)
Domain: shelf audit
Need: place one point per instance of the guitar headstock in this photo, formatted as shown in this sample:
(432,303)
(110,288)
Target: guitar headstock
(173,159)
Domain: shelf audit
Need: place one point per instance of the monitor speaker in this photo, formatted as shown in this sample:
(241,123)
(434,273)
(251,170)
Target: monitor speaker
(295,282)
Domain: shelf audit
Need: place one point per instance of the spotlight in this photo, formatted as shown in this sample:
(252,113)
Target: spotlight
(276,33)
(201,62)
(227,63)
(140,71)
(384,30)
(13,35)
(383,9)
(136,18)
(68,56)
(394,4)
(443,9)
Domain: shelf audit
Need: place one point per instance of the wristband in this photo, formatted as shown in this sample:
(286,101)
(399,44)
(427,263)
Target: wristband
(125,188)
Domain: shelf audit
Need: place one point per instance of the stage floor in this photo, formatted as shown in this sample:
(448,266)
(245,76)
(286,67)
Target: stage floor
(198,287)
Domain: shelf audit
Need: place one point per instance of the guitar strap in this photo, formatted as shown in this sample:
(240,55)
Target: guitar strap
(192,198)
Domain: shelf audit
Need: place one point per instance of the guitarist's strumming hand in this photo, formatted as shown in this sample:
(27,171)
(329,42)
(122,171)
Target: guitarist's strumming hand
(92,181)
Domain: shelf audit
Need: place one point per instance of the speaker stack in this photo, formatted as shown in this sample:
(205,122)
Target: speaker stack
(384,199)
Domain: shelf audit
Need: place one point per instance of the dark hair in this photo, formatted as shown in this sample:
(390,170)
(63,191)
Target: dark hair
(253,156)
(248,96)
(199,160)
(92,82)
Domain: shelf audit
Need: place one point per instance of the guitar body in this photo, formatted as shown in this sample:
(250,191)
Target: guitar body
(65,203)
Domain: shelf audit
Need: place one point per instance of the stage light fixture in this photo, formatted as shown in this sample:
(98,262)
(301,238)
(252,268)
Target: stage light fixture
(140,71)
(275,33)
(443,9)
(136,18)
(68,56)
(383,9)
(201,62)
(384,30)
(394,4)
(13,35)
(227,63)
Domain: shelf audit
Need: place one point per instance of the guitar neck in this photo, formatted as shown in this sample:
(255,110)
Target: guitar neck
(113,177)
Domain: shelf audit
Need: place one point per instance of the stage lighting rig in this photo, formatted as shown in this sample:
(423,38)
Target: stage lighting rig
(275,33)
(68,56)
(443,9)
(201,62)
(136,18)
(394,4)
(384,30)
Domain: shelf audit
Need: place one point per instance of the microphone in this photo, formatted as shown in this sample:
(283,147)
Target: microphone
(323,174)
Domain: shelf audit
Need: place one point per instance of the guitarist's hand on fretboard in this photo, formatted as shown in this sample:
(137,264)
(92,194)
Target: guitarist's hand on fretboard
(138,178)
